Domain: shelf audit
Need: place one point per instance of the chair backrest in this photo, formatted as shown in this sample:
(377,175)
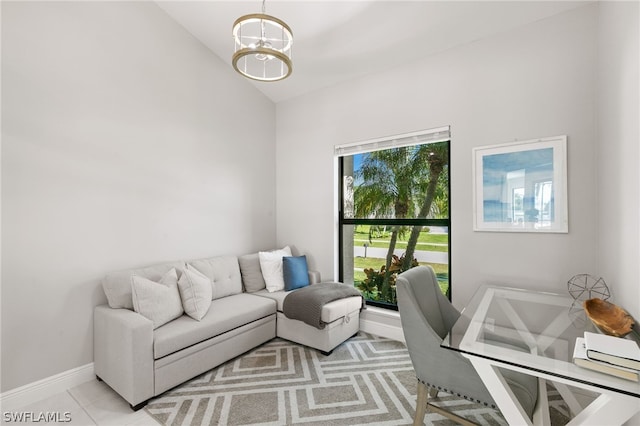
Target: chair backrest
(426,316)
(422,284)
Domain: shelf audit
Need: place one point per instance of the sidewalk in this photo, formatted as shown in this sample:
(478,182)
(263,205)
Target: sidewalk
(420,255)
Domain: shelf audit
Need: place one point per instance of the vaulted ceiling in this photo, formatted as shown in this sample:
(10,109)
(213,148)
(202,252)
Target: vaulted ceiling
(335,41)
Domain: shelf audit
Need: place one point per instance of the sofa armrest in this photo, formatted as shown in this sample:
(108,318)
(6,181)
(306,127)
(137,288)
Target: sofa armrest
(123,352)
(314,277)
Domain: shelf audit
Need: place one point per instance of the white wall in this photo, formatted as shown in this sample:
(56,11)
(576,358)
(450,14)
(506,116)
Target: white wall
(619,152)
(535,81)
(124,143)
(618,246)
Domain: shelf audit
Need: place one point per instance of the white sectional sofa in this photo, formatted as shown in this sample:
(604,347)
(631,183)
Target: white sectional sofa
(141,357)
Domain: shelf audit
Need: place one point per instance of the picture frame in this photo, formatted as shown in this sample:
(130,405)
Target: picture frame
(521,186)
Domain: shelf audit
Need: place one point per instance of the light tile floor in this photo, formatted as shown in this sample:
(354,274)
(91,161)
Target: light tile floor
(91,403)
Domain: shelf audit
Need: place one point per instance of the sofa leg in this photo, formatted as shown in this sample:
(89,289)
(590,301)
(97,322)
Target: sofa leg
(138,406)
(326,353)
(98,378)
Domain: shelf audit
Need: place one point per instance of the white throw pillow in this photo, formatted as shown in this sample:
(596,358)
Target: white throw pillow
(157,301)
(196,291)
(271,265)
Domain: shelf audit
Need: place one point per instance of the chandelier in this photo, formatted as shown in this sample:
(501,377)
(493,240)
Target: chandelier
(262,47)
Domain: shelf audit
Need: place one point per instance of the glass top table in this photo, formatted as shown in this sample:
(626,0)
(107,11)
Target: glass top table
(534,333)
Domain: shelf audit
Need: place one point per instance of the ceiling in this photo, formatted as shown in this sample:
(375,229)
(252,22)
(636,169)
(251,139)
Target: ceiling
(335,41)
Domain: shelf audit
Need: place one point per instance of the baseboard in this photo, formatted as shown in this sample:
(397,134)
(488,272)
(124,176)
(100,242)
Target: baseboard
(383,330)
(24,395)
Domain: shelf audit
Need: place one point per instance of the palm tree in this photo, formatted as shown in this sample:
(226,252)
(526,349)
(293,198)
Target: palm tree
(436,156)
(399,183)
(385,192)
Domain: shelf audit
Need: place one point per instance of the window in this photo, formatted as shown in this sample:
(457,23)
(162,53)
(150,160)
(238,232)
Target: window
(394,211)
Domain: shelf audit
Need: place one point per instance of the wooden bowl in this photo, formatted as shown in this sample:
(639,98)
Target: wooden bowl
(609,318)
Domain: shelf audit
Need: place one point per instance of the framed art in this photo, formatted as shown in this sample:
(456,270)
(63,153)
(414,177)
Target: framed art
(521,186)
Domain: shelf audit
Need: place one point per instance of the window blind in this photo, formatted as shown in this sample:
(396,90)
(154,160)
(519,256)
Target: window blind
(439,134)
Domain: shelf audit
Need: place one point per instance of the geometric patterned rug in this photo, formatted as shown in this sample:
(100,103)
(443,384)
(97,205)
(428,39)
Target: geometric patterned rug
(366,380)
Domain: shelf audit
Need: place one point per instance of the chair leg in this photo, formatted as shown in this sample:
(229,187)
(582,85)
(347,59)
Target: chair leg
(421,404)
(428,395)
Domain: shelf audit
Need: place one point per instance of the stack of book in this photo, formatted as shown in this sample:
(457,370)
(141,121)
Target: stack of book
(608,354)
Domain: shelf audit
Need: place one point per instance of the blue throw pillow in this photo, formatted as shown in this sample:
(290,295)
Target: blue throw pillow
(295,272)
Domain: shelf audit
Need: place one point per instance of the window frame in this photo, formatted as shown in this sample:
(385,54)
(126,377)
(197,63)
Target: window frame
(342,221)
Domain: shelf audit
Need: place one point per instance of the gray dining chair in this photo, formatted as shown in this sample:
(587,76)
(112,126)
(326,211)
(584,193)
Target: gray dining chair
(427,316)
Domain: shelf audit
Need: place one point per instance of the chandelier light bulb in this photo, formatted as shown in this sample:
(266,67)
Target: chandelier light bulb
(262,56)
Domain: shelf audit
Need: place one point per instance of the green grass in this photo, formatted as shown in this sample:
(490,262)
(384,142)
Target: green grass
(426,242)
(442,271)
(376,263)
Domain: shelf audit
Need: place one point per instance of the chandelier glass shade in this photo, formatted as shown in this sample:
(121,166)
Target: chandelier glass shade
(262,47)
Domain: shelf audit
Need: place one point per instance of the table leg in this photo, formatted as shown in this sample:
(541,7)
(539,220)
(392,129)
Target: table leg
(501,393)
(607,410)
(569,398)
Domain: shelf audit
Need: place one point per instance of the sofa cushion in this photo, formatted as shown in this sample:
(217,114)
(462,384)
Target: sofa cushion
(271,265)
(330,311)
(117,285)
(295,272)
(157,301)
(223,272)
(196,293)
(277,296)
(251,273)
(224,315)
